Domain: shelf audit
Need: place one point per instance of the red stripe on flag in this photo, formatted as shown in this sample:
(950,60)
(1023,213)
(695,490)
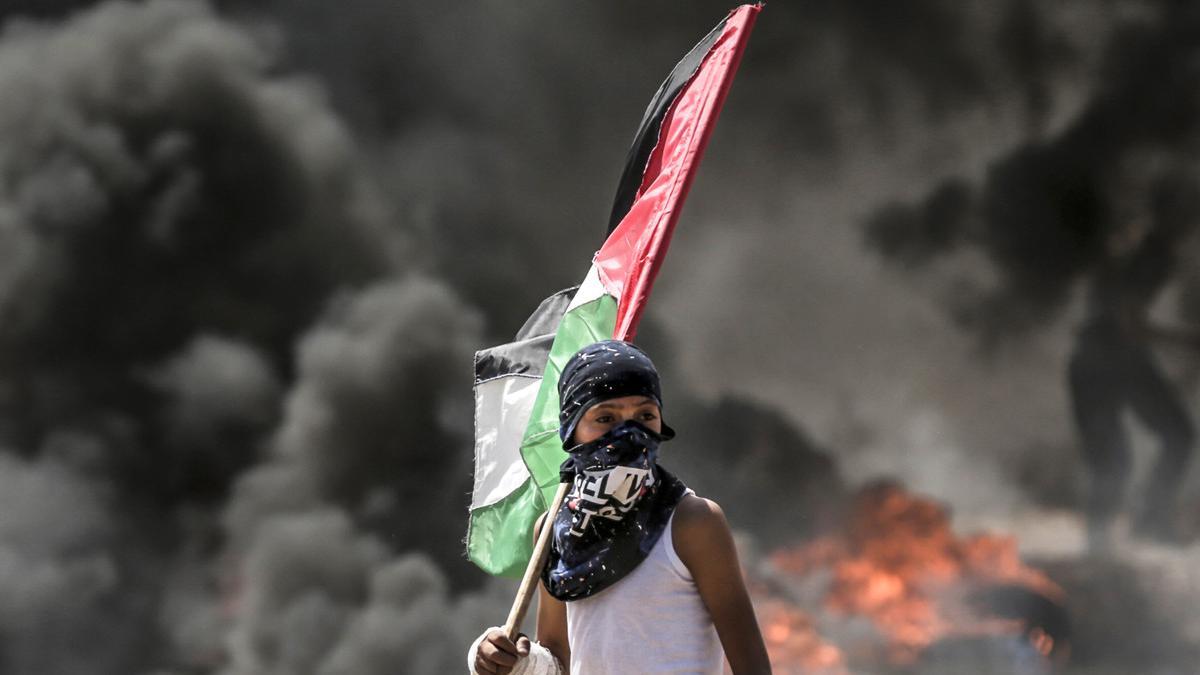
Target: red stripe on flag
(632,255)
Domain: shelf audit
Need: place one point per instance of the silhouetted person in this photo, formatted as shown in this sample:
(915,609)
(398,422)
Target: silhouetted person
(1112,368)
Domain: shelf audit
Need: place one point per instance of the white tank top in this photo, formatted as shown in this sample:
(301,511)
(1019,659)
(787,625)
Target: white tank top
(651,621)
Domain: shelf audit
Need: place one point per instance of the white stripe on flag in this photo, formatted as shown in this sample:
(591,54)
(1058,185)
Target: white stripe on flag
(591,289)
(502,409)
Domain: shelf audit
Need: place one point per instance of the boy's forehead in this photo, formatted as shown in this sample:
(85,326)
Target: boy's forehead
(625,401)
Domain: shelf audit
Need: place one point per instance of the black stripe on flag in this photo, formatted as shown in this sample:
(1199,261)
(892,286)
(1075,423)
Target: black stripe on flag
(647,133)
(530,349)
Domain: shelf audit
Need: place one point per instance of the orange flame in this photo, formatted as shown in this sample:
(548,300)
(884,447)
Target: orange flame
(900,565)
(793,642)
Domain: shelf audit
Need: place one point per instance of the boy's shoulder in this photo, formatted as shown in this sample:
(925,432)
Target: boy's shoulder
(700,534)
(698,517)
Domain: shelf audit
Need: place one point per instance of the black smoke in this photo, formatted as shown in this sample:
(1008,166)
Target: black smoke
(243,278)
(247,248)
(1044,210)
(196,256)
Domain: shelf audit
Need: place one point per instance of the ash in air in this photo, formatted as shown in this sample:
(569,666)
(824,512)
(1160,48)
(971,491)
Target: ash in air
(247,248)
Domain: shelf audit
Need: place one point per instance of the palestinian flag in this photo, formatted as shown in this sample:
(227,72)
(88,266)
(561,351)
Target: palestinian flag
(517,448)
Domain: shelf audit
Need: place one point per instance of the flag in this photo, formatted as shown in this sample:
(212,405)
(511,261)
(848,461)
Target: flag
(517,448)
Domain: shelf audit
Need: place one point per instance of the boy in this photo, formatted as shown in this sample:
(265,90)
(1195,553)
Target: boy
(643,576)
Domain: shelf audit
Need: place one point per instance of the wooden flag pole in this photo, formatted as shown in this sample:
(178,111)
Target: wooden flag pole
(533,571)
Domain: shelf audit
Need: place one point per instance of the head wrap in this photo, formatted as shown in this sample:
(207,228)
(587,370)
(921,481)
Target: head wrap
(600,371)
(620,500)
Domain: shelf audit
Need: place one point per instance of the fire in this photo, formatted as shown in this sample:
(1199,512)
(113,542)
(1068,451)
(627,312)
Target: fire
(898,564)
(793,642)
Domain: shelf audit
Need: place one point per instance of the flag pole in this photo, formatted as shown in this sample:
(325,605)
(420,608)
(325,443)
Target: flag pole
(533,571)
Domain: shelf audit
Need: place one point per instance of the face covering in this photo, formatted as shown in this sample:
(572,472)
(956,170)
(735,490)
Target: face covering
(610,475)
(620,503)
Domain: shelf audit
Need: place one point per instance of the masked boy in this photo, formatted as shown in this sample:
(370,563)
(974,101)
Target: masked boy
(642,574)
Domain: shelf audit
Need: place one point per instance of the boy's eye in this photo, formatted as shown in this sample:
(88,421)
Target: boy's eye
(604,419)
(648,415)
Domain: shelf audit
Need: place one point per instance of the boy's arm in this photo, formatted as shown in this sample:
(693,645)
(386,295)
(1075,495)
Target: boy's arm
(494,654)
(704,543)
(552,622)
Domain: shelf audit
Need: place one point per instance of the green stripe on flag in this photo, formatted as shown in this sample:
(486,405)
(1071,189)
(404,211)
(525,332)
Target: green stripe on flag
(500,535)
(542,448)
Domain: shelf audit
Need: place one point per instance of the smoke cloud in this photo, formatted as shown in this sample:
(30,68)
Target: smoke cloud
(1044,209)
(65,575)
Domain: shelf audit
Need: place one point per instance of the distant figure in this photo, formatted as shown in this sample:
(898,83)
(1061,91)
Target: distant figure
(1112,367)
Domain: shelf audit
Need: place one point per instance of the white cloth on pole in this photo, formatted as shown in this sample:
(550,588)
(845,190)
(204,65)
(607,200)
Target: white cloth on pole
(539,662)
